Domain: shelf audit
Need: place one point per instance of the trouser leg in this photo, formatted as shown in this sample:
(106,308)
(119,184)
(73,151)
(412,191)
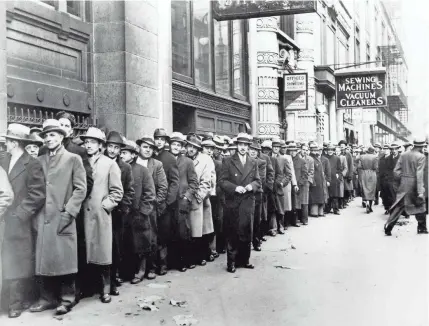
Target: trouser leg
(232,250)
(304,213)
(314,209)
(243,255)
(334,204)
(49,290)
(67,287)
(421,222)
(395,213)
(280,219)
(293,217)
(257,224)
(16,294)
(212,243)
(105,276)
(321,209)
(162,255)
(141,266)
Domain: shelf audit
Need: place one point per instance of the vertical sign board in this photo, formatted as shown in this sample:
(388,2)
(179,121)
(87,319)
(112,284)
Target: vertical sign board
(295,92)
(361,90)
(243,9)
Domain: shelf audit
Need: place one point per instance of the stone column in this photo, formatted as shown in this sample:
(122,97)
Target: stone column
(267,54)
(3,71)
(332,120)
(132,65)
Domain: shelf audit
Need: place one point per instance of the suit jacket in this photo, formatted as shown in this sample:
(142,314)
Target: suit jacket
(301,172)
(271,174)
(239,208)
(56,246)
(172,173)
(28,184)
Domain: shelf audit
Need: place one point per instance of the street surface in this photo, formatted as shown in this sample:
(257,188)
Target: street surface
(342,272)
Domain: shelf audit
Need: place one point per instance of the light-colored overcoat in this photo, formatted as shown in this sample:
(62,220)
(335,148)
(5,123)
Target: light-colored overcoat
(368,164)
(106,194)
(56,245)
(288,189)
(200,214)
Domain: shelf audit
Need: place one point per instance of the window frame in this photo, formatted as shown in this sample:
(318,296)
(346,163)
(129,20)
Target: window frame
(245,58)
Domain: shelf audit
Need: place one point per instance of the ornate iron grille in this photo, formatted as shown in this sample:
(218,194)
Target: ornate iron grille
(34,116)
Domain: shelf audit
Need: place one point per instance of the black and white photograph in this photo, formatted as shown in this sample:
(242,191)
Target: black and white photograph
(214,162)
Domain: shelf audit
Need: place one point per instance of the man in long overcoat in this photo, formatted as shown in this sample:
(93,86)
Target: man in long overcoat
(334,188)
(137,230)
(200,213)
(344,171)
(291,188)
(147,147)
(348,178)
(114,144)
(281,200)
(56,244)
(26,177)
(382,178)
(305,189)
(164,218)
(254,150)
(411,193)
(240,181)
(181,225)
(106,194)
(301,174)
(368,164)
(317,188)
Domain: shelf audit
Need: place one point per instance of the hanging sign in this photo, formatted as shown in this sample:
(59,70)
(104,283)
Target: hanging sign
(243,9)
(295,92)
(360,89)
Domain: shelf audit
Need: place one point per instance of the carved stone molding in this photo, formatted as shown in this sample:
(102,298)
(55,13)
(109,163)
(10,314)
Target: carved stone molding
(305,26)
(193,97)
(306,55)
(268,129)
(268,94)
(266,23)
(267,58)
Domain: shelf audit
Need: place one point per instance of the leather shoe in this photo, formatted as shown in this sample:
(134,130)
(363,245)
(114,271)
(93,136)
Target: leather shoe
(211,258)
(163,270)
(192,266)
(280,231)
(264,239)
(105,298)
(271,233)
(296,225)
(231,268)
(304,223)
(136,280)
(114,292)
(39,307)
(249,266)
(151,276)
(202,263)
(215,254)
(422,231)
(257,248)
(182,269)
(387,231)
(14,313)
(119,281)
(62,310)
(336,213)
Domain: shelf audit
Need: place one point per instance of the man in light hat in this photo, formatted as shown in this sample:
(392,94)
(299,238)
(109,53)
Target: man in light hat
(114,144)
(169,165)
(147,147)
(137,226)
(292,187)
(105,196)
(181,251)
(411,192)
(240,181)
(27,179)
(254,151)
(201,212)
(56,243)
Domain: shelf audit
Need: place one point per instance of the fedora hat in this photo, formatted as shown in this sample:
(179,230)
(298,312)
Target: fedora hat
(267,144)
(115,137)
(394,145)
(178,137)
(243,138)
(276,141)
(283,144)
(94,133)
(219,142)
(208,143)
(386,146)
(193,140)
(377,145)
(419,142)
(313,146)
(34,139)
(50,125)
(161,132)
(131,146)
(255,145)
(35,129)
(330,146)
(17,131)
(147,140)
(292,147)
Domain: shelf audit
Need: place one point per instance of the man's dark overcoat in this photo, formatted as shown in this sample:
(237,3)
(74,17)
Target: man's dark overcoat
(317,188)
(336,175)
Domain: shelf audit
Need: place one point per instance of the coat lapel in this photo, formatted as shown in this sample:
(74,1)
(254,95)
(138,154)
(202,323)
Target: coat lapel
(247,168)
(54,160)
(237,163)
(19,166)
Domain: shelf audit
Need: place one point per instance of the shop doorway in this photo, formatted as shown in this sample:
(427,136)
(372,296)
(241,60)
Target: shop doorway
(183,118)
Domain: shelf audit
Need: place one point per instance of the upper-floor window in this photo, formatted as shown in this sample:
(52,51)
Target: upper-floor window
(208,53)
(73,7)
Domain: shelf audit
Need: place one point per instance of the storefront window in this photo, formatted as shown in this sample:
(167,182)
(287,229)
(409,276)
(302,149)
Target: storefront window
(222,57)
(181,37)
(202,44)
(238,55)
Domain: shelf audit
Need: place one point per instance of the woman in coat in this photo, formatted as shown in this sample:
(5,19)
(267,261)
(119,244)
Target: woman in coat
(106,194)
(368,164)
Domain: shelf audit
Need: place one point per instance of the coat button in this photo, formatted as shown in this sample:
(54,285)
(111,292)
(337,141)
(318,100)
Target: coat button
(88,209)
(89,197)
(46,222)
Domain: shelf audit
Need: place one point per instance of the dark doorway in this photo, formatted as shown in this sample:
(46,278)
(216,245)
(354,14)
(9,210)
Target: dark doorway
(183,118)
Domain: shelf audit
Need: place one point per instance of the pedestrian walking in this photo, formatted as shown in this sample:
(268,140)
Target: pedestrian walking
(56,243)
(369,166)
(240,181)
(25,175)
(411,192)
(106,194)
(137,228)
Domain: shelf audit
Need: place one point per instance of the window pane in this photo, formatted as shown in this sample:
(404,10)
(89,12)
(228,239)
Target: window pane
(222,57)
(73,7)
(331,46)
(202,19)
(238,63)
(181,37)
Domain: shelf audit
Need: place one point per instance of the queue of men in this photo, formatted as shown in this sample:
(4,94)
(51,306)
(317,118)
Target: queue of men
(84,215)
